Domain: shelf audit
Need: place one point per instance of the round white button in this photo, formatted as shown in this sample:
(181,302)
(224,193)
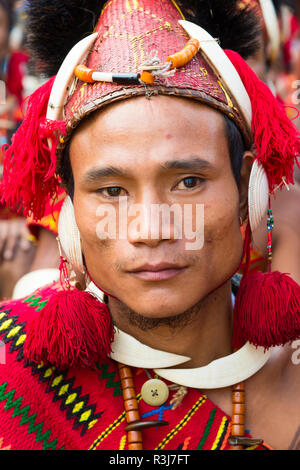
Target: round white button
(155,392)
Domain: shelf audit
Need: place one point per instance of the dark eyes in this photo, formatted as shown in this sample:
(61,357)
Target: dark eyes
(113,191)
(186,183)
(189,183)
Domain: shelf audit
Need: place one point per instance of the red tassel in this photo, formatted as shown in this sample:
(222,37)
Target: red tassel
(276,139)
(74,329)
(29,164)
(267,310)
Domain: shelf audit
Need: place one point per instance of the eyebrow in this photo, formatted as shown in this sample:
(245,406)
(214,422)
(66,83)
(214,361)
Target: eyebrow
(194,163)
(95,174)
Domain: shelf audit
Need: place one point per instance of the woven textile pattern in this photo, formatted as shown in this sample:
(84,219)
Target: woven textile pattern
(45,408)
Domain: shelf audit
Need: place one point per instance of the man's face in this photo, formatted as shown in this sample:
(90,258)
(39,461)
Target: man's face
(168,151)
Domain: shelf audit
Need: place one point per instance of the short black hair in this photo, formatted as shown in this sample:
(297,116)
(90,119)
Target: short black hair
(236,148)
(235,145)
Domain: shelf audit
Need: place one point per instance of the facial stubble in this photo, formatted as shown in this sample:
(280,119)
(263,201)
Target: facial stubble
(143,323)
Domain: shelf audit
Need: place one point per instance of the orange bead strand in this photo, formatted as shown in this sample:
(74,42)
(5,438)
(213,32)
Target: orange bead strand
(84,73)
(135,441)
(134,424)
(147,77)
(181,58)
(238,413)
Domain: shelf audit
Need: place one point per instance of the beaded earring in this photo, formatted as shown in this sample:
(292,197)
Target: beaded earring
(270,226)
(267,305)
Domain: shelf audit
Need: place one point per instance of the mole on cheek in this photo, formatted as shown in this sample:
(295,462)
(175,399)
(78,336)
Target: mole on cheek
(208,238)
(104,243)
(226,225)
(217,229)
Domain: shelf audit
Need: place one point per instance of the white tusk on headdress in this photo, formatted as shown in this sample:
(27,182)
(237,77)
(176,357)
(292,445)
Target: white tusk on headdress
(258,192)
(222,67)
(65,76)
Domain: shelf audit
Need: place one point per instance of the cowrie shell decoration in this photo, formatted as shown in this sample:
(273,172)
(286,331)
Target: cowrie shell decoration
(258,195)
(69,235)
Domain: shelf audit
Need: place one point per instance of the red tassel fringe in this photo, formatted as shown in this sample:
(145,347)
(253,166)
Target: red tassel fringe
(267,310)
(276,139)
(74,329)
(29,177)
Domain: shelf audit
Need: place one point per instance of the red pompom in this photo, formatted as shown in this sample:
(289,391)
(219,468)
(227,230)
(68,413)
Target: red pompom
(267,310)
(276,139)
(29,169)
(74,329)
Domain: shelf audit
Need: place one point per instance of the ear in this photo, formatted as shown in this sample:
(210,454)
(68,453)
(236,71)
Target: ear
(248,158)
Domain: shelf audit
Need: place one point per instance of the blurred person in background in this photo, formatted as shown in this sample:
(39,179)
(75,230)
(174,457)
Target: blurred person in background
(284,74)
(16,250)
(275,62)
(25,246)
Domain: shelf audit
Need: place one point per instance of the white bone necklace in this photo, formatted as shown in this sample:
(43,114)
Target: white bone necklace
(223,372)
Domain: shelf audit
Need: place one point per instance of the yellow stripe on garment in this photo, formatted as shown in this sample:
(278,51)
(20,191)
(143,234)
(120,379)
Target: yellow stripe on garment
(219,434)
(107,431)
(123,442)
(110,428)
(182,423)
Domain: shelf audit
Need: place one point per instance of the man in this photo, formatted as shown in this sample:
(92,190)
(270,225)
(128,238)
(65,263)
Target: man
(168,293)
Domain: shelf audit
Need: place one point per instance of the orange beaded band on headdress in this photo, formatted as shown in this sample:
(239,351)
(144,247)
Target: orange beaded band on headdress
(130,32)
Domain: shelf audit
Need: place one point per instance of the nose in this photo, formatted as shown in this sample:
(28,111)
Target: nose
(153,223)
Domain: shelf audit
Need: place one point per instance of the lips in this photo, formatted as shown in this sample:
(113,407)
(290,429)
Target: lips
(157,272)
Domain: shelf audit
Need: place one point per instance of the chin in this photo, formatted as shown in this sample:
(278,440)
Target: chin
(155,307)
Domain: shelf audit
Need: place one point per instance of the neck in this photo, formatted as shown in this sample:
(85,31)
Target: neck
(204,334)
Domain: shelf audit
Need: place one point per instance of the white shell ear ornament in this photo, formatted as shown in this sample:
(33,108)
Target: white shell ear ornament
(69,235)
(258,195)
